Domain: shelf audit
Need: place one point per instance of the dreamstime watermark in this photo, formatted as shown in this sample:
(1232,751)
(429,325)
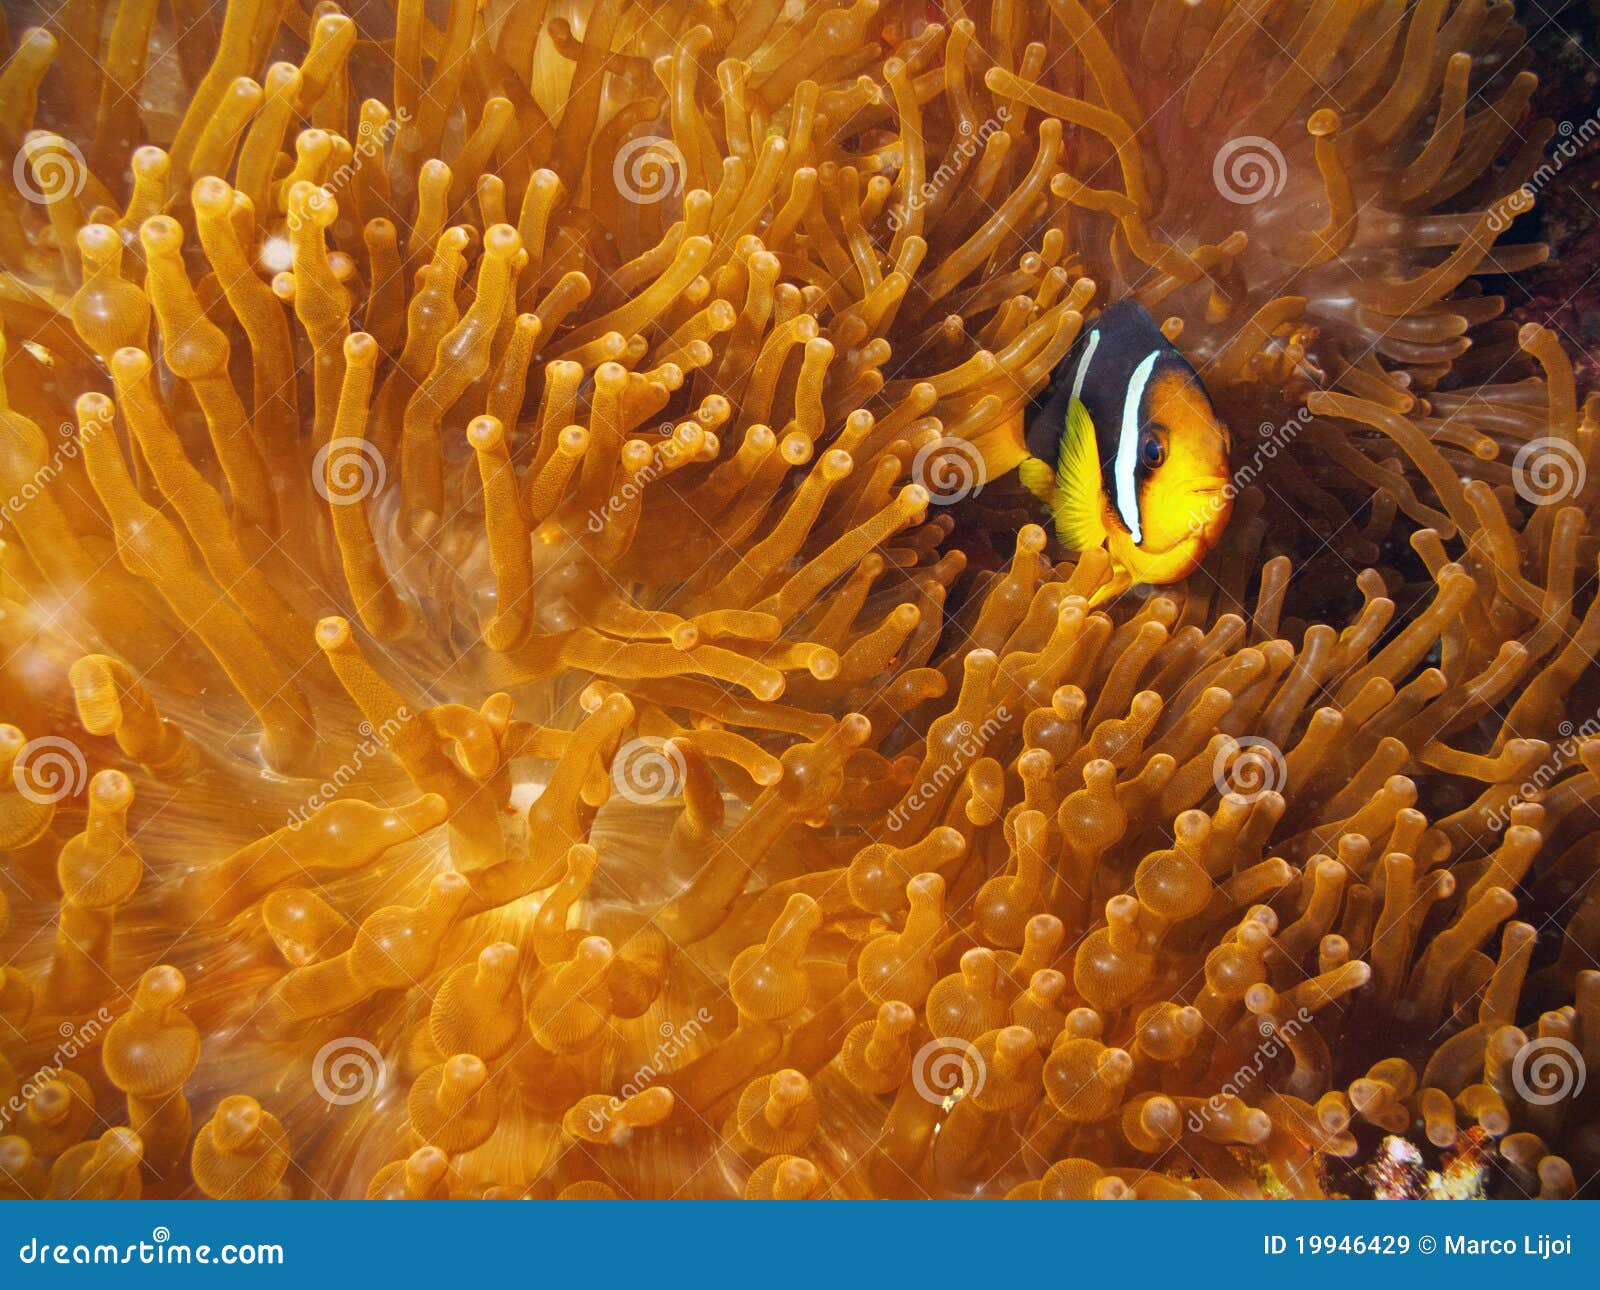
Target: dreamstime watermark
(634,485)
(66,450)
(969,138)
(675,1040)
(75,1038)
(373,741)
(1273,437)
(648,169)
(1548,470)
(1249,169)
(648,770)
(47,168)
(969,745)
(347,470)
(1548,1070)
(49,769)
(348,1070)
(949,470)
(370,142)
(160,1250)
(946,1067)
(1564,754)
(1275,1038)
(1249,768)
(1572,140)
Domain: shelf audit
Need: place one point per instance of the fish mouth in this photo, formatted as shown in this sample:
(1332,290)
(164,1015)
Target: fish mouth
(1177,544)
(1207,511)
(1209,505)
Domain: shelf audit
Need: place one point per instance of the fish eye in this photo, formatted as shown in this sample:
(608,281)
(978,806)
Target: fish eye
(1152,451)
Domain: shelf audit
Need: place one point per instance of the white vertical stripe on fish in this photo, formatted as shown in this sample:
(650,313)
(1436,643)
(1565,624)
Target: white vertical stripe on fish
(1128,447)
(1083,366)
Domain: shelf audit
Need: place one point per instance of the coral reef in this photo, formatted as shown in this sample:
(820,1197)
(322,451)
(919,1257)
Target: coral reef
(517,685)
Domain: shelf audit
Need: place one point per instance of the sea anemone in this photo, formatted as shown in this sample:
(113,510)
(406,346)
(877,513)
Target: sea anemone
(519,686)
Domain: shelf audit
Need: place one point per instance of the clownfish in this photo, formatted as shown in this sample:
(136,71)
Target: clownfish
(1126,450)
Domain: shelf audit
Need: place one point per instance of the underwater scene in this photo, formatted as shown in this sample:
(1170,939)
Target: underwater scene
(786,599)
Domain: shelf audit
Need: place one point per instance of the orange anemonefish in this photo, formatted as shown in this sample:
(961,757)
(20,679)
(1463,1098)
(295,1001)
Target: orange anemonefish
(1125,448)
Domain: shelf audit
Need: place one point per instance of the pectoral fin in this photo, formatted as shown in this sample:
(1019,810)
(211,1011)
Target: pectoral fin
(1078,484)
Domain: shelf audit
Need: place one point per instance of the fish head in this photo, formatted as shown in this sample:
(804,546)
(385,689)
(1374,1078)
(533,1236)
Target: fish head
(1186,489)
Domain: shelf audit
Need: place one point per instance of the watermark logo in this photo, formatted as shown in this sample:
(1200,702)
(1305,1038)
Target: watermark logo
(1249,169)
(347,470)
(1531,789)
(1273,437)
(348,1070)
(1547,470)
(648,169)
(369,144)
(949,469)
(675,1040)
(160,1250)
(48,167)
(969,138)
(312,204)
(49,769)
(1571,140)
(648,770)
(1249,768)
(633,486)
(1275,1039)
(76,1037)
(1548,1070)
(370,141)
(65,451)
(969,744)
(373,740)
(947,1067)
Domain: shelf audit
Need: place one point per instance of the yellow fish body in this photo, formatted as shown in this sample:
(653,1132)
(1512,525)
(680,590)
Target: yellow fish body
(1125,448)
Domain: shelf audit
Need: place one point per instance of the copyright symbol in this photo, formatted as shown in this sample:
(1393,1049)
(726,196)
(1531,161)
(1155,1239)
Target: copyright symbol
(1427,1244)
